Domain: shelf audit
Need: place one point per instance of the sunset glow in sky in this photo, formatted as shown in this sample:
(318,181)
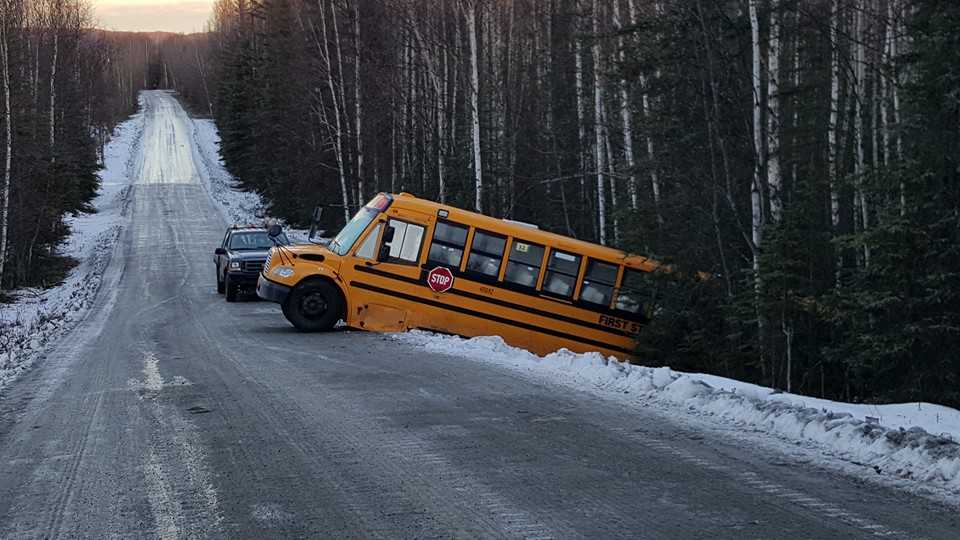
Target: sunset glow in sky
(150,15)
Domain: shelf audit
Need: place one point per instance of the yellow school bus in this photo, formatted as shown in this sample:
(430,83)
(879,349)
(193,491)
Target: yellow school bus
(404,262)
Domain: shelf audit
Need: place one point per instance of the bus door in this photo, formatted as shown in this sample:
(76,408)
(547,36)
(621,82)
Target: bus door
(389,276)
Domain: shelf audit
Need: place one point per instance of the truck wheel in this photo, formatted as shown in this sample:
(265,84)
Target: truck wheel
(220,286)
(314,306)
(230,289)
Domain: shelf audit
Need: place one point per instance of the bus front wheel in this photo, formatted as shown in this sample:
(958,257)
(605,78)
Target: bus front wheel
(313,306)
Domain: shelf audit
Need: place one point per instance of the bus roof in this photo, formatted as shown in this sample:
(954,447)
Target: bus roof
(527,232)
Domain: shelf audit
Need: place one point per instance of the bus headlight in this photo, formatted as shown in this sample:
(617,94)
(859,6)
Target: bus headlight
(283,271)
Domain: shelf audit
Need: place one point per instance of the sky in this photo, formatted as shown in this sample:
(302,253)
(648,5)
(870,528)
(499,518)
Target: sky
(151,15)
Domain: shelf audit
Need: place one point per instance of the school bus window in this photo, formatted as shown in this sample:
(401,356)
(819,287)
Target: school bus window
(598,283)
(632,291)
(449,240)
(562,273)
(407,238)
(523,266)
(486,252)
(368,249)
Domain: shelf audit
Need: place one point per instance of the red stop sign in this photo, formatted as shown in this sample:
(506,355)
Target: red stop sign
(440,279)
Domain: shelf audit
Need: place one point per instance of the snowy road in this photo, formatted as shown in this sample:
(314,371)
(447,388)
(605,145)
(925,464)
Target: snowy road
(169,413)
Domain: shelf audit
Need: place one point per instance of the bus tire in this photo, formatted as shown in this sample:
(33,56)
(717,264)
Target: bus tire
(230,289)
(313,306)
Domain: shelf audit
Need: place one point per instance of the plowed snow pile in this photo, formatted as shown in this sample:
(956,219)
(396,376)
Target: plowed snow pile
(916,441)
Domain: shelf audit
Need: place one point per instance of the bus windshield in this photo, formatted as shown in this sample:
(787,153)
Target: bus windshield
(347,236)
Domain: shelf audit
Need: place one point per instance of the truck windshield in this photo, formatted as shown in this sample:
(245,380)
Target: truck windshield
(342,243)
(255,241)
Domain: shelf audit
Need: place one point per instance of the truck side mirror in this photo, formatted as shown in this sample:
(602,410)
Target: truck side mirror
(315,229)
(219,251)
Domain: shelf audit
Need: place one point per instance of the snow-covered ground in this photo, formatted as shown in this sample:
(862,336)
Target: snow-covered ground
(236,206)
(913,442)
(38,317)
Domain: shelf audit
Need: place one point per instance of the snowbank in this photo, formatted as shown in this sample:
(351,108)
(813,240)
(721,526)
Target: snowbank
(234,204)
(39,316)
(910,441)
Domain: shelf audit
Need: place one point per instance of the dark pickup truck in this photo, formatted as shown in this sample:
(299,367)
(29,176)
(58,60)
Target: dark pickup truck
(240,258)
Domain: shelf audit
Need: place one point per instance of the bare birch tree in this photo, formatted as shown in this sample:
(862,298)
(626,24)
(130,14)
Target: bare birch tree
(774,173)
(833,127)
(598,125)
(859,96)
(337,128)
(626,117)
(5,6)
(469,8)
(756,193)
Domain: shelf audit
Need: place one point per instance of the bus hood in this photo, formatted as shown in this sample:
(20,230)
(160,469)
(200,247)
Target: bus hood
(310,254)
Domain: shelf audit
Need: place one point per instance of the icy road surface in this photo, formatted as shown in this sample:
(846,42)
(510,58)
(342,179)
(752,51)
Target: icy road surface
(171,414)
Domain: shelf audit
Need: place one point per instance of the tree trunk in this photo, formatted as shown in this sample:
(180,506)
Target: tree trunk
(581,108)
(614,202)
(858,97)
(53,92)
(8,141)
(832,150)
(774,175)
(338,130)
(470,14)
(756,201)
(203,80)
(893,13)
(625,115)
(357,107)
(598,128)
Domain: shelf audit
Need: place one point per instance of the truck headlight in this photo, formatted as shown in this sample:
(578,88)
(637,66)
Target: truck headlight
(283,271)
(234,265)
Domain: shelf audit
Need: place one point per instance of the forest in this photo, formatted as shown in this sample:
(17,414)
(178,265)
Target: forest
(65,85)
(802,153)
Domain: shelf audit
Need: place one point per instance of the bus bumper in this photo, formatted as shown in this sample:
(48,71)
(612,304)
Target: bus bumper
(274,292)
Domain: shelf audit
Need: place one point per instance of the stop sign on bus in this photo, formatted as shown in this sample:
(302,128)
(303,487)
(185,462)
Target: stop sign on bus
(440,279)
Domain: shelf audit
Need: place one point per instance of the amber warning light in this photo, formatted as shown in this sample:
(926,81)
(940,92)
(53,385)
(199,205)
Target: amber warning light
(379,203)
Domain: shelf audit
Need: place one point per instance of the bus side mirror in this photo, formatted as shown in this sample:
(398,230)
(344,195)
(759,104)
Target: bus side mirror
(274,231)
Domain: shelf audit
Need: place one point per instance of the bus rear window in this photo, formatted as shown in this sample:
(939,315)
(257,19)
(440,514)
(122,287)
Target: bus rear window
(562,273)
(523,266)
(633,290)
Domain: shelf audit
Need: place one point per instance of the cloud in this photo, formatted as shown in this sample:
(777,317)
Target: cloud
(153,15)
